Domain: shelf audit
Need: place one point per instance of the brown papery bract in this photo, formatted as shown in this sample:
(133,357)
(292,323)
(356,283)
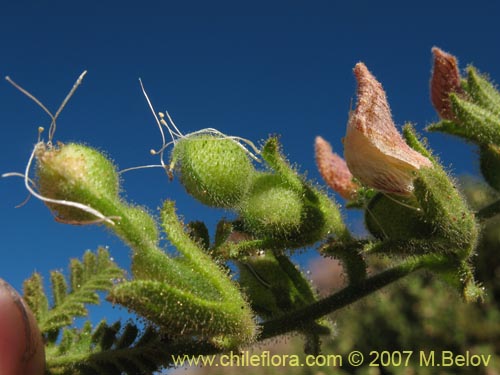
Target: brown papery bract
(445,81)
(374,150)
(334,170)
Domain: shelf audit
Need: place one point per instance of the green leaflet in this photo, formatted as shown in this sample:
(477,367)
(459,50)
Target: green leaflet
(454,228)
(95,273)
(188,296)
(107,349)
(482,92)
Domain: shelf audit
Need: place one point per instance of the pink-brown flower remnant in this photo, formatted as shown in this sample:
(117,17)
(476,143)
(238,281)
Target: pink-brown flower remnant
(374,150)
(445,80)
(334,170)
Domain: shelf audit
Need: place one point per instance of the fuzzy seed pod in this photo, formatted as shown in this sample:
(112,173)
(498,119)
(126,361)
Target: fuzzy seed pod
(374,150)
(216,171)
(77,173)
(272,208)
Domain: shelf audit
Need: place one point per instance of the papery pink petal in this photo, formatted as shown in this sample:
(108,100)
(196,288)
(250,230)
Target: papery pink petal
(374,150)
(445,80)
(334,170)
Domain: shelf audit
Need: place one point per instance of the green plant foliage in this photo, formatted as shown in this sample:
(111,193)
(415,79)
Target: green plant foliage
(482,92)
(284,209)
(478,121)
(189,296)
(273,284)
(350,255)
(107,350)
(276,287)
(198,231)
(395,217)
(96,273)
(193,301)
(442,205)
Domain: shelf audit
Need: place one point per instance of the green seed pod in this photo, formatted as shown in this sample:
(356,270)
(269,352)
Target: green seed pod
(77,173)
(84,177)
(489,157)
(214,170)
(395,218)
(274,209)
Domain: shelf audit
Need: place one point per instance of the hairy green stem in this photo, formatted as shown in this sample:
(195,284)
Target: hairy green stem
(297,319)
(349,254)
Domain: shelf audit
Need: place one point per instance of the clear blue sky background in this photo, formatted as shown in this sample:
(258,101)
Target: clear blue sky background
(246,68)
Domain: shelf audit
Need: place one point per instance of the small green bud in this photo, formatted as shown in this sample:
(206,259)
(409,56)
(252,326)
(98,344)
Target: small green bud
(272,208)
(489,157)
(216,171)
(77,173)
(395,218)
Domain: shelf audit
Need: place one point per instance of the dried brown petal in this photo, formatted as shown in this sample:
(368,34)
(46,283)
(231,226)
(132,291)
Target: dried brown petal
(334,170)
(375,152)
(445,80)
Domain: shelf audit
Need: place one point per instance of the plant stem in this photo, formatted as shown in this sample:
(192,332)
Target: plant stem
(489,211)
(346,296)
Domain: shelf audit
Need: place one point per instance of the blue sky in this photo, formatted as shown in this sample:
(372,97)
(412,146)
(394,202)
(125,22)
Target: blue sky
(246,68)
